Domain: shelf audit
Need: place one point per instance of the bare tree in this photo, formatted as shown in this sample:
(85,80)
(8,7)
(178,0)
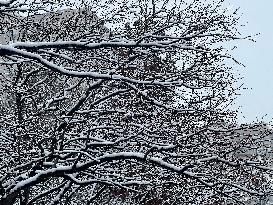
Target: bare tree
(125,100)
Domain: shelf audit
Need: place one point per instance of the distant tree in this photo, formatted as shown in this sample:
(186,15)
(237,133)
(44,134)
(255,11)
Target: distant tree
(122,102)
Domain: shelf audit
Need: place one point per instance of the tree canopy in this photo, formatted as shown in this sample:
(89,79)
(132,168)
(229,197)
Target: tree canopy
(123,102)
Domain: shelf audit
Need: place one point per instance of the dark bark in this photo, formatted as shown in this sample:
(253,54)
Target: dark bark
(10,199)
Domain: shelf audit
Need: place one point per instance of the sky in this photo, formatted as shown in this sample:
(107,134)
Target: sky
(255,103)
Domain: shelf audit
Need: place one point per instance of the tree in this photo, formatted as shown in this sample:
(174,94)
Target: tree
(138,98)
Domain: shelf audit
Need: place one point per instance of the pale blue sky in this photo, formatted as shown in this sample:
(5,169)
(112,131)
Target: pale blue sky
(258,59)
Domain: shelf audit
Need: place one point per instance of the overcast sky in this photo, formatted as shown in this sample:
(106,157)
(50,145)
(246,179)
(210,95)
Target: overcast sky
(256,102)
